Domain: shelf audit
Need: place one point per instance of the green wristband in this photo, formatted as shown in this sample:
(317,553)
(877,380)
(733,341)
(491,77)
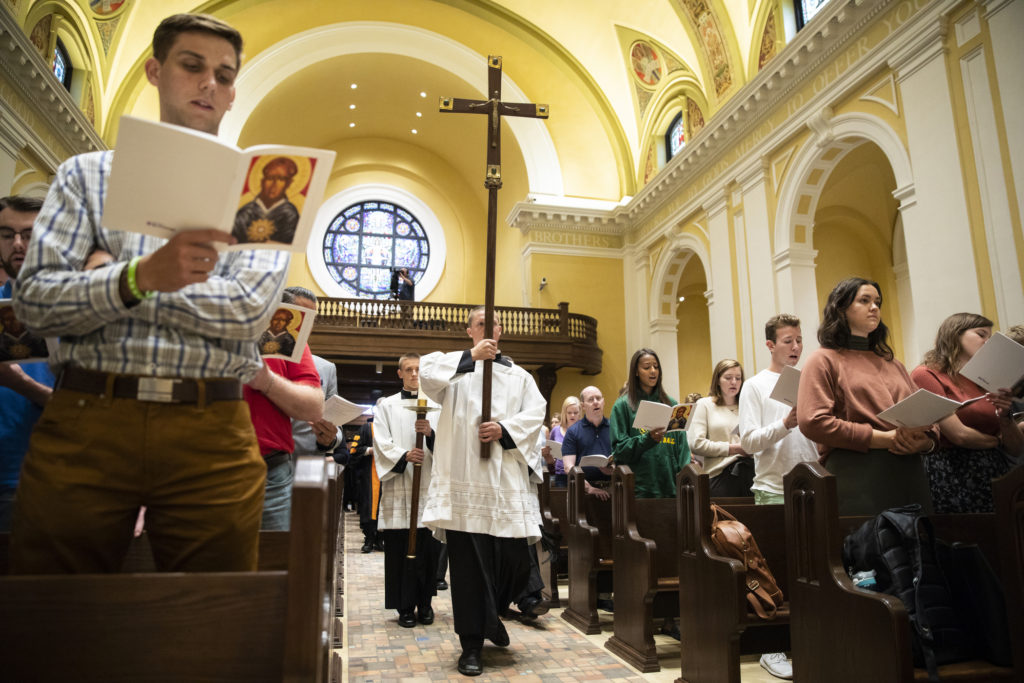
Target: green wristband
(133,286)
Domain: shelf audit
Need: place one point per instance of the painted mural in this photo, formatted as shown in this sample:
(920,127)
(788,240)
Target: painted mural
(710,33)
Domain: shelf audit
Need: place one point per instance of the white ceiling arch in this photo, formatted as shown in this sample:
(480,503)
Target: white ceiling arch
(274,65)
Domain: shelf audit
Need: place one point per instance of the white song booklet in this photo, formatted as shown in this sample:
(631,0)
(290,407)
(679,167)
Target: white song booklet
(165,179)
(651,416)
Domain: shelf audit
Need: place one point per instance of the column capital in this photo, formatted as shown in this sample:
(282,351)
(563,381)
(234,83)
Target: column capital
(797,255)
(664,324)
(716,203)
(922,48)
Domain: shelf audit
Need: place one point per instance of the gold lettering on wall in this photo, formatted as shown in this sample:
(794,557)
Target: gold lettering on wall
(575,239)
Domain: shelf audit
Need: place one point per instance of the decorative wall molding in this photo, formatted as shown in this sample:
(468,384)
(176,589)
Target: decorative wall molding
(26,72)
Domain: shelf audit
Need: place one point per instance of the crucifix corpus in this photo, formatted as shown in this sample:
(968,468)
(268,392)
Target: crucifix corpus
(494,108)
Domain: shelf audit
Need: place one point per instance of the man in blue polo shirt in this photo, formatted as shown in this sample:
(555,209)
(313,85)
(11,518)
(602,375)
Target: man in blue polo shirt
(23,388)
(589,436)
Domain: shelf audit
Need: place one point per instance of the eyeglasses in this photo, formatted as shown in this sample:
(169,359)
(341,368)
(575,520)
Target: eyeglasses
(8,235)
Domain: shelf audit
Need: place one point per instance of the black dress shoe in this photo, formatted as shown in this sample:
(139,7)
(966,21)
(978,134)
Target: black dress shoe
(378,545)
(469,663)
(407,619)
(532,607)
(367,547)
(425,615)
(442,585)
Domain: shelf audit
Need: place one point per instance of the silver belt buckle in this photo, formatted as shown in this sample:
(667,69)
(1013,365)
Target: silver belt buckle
(158,389)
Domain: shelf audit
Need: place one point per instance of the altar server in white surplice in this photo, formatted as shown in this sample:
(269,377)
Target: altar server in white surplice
(409,583)
(486,509)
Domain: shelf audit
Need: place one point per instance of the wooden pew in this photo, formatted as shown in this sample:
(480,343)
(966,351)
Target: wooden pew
(646,579)
(229,626)
(842,633)
(716,625)
(590,554)
(555,519)
(332,577)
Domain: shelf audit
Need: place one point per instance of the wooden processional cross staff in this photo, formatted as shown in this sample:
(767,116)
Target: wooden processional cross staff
(494,108)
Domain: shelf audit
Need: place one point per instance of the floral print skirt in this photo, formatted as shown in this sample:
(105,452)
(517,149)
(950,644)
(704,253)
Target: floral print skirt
(961,478)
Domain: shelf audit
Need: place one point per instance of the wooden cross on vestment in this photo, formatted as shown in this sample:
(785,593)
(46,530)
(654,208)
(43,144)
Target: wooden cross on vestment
(494,108)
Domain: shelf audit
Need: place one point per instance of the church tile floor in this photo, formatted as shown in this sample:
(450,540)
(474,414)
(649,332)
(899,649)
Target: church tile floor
(378,650)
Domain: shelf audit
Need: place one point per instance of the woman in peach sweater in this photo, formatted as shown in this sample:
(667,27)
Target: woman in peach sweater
(843,387)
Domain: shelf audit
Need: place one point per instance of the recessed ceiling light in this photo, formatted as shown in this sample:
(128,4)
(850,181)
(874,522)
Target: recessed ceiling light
(354,86)
(351,106)
(682,299)
(423,94)
(351,125)
(414,131)
(419,114)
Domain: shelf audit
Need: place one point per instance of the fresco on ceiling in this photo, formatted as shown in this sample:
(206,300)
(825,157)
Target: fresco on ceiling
(643,98)
(694,118)
(40,37)
(706,23)
(105,7)
(106,29)
(89,104)
(651,164)
(767,42)
(647,64)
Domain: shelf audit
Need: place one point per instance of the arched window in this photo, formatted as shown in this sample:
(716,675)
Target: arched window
(675,137)
(805,10)
(62,65)
(367,241)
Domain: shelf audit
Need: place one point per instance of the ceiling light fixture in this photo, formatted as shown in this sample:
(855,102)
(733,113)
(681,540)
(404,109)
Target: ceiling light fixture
(423,94)
(414,131)
(682,299)
(352,125)
(354,86)
(351,106)
(419,114)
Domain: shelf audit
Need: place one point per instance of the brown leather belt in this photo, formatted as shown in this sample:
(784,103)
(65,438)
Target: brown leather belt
(157,389)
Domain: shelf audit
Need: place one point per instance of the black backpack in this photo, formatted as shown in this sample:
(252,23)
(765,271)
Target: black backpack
(953,599)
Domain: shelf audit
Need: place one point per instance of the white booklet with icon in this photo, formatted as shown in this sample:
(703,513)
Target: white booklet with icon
(165,179)
(340,411)
(787,386)
(998,364)
(595,461)
(923,408)
(287,333)
(651,416)
(556,449)
(17,344)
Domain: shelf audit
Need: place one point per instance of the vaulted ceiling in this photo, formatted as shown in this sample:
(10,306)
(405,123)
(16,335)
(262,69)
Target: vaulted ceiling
(303,57)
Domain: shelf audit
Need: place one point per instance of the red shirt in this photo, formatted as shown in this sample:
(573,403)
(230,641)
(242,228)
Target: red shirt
(273,427)
(980,415)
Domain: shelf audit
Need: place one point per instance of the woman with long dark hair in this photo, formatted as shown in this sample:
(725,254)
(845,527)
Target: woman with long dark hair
(654,456)
(978,438)
(844,385)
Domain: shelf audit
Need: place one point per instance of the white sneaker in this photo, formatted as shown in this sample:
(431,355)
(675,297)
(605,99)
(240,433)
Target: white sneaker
(778,665)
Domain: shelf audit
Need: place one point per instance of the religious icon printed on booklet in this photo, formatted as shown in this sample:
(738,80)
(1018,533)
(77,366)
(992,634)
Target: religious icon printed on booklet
(651,416)
(17,344)
(165,179)
(287,333)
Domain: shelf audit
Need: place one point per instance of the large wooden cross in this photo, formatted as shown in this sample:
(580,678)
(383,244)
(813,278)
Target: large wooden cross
(494,108)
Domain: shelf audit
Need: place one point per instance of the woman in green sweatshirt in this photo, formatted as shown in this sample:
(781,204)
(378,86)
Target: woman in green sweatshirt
(655,457)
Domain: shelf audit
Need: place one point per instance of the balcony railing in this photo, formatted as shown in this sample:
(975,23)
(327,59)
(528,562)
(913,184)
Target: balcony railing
(365,329)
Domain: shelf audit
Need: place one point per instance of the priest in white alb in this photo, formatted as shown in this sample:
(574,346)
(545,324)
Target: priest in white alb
(409,583)
(485,509)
